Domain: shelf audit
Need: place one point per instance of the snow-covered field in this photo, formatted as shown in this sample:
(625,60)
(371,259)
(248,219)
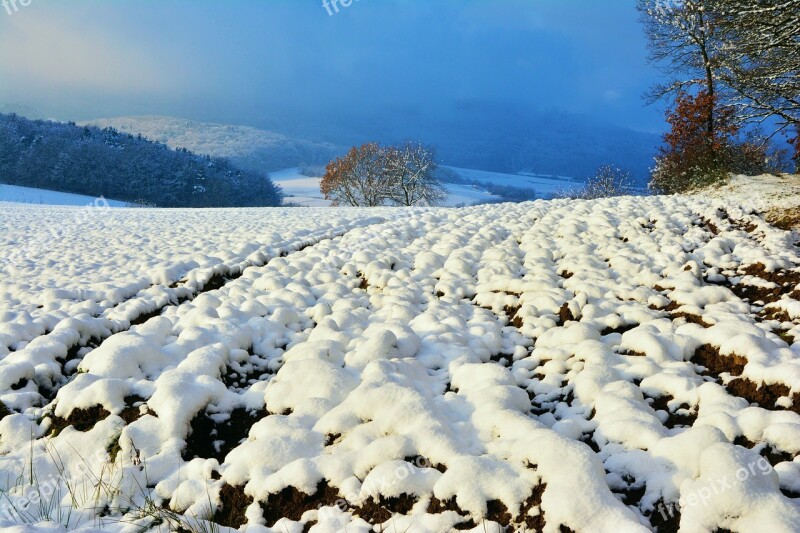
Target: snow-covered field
(28,195)
(613,365)
(545,186)
(303,190)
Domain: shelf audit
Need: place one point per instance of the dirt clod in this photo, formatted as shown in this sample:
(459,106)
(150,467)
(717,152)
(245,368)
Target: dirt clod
(209,439)
(80,419)
(763,395)
(716,364)
(292,503)
(234,504)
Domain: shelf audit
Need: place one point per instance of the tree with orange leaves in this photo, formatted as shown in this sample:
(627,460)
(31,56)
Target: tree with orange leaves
(372,175)
(358,178)
(699,152)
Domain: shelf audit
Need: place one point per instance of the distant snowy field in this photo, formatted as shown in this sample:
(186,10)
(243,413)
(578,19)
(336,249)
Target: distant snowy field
(303,190)
(27,195)
(544,186)
(611,365)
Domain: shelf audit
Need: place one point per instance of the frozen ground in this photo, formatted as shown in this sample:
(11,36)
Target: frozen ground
(304,191)
(613,365)
(27,195)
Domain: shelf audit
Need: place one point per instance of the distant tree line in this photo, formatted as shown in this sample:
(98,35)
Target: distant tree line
(732,71)
(504,193)
(87,160)
(373,175)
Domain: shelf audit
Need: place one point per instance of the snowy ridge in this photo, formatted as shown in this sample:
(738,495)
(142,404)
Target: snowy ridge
(613,365)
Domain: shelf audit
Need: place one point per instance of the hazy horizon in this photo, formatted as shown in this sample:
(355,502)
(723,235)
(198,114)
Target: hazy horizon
(292,66)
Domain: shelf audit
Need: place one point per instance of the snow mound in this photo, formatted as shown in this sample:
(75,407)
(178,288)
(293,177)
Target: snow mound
(614,365)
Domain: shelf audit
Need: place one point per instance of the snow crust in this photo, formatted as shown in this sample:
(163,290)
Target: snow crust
(510,347)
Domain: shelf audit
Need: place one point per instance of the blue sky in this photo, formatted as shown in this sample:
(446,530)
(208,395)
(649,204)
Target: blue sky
(260,62)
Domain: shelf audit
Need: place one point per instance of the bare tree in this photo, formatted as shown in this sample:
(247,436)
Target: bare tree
(373,175)
(608,181)
(760,58)
(411,169)
(741,53)
(358,178)
(683,42)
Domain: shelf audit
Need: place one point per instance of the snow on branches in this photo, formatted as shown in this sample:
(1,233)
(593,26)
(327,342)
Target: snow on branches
(373,175)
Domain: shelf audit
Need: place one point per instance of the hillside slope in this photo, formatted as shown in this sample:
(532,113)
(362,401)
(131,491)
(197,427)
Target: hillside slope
(249,148)
(610,365)
(90,161)
(778,197)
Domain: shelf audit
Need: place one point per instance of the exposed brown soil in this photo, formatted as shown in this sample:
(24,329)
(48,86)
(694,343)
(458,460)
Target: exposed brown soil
(144,317)
(513,318)
(621,329)
(773,455)
(566,274)
(710,226)
(531,523)
(238,377)
(787,281)
(291,503)
(632,494)
(364,285)
(539,407)
(211,440)
(715,364)
(776,314)
(790,493)
(631,353)
(785,219)
(21,384)
(438,506)
(380,510)
(423,462)
(666,518)
(675,419)
(81,419)
(565,315)
(217,281)
(502,359)
(234,504)
(763,395)
(784,335)
(4,412)
(747,227)
(588,439)
(693,319)
(132,413)
(72,353)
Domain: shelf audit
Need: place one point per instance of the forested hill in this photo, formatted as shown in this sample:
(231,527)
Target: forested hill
(92,161)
